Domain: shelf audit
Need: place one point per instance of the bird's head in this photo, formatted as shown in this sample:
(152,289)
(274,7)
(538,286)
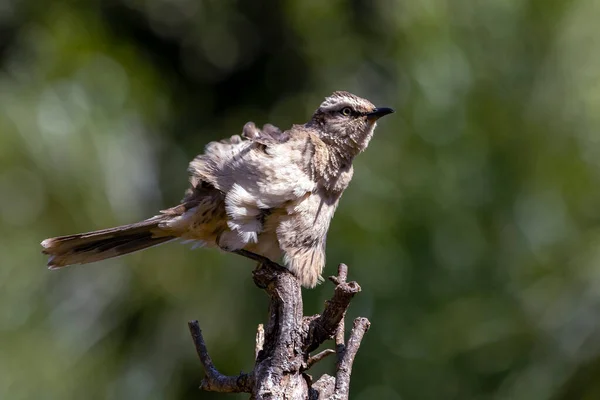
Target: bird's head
(347,121)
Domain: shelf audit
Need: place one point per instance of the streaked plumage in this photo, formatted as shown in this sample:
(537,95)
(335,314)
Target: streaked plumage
(269,192)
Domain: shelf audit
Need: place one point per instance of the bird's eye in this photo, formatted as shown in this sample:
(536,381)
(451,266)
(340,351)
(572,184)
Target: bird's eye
(346,111)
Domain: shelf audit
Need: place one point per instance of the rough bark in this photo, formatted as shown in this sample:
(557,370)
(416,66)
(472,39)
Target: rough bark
(284,343)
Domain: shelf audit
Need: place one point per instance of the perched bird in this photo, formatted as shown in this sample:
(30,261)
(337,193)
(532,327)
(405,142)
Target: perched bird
(266,194)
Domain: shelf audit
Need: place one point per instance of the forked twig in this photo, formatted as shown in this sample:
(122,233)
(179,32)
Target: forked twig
(214,381)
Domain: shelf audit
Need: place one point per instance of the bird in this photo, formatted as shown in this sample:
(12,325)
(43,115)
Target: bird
(264,194)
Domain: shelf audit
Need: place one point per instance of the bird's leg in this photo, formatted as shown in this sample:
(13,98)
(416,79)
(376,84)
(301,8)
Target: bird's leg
(253,256)
(263,263)
(262,260)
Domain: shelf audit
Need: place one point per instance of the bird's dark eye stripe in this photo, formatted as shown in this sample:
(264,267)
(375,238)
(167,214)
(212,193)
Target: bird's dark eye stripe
(350,112)
(354,113)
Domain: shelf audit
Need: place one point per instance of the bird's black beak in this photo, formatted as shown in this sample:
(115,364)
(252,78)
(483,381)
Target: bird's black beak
(379,112)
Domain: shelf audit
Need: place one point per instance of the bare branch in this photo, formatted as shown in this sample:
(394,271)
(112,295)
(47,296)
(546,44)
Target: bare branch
(312,360)
(342,275)
(214,380)
(326,325)
(260,340)
(278,367)
(340,346)
(284,342)
(323,388)
(340,331)
(344,369)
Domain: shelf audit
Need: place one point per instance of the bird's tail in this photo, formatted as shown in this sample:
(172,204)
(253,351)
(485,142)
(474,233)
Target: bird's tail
(84,248)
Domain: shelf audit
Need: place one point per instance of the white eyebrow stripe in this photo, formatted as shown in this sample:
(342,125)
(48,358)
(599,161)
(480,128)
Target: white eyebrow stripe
(337,106)
(339,100)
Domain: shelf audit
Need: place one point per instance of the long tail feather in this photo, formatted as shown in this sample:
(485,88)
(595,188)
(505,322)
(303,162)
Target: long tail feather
(84,248)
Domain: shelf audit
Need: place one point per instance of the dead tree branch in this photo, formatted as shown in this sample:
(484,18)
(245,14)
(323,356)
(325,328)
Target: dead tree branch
(344,367)
(260,340)
(284,343)
(214,380)
(312,360)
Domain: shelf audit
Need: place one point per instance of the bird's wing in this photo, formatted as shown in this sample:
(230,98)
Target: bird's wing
(272,174)
(268,135)
(255,179)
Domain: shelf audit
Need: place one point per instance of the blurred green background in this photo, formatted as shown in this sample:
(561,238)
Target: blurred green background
(472,223)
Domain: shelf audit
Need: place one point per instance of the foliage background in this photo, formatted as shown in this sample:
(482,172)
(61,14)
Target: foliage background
(472,223)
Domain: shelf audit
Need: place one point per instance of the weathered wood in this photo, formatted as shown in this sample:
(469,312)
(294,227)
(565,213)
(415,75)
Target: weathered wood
(284,343)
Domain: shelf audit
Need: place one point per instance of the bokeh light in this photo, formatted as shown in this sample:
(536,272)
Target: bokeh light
(472,223)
